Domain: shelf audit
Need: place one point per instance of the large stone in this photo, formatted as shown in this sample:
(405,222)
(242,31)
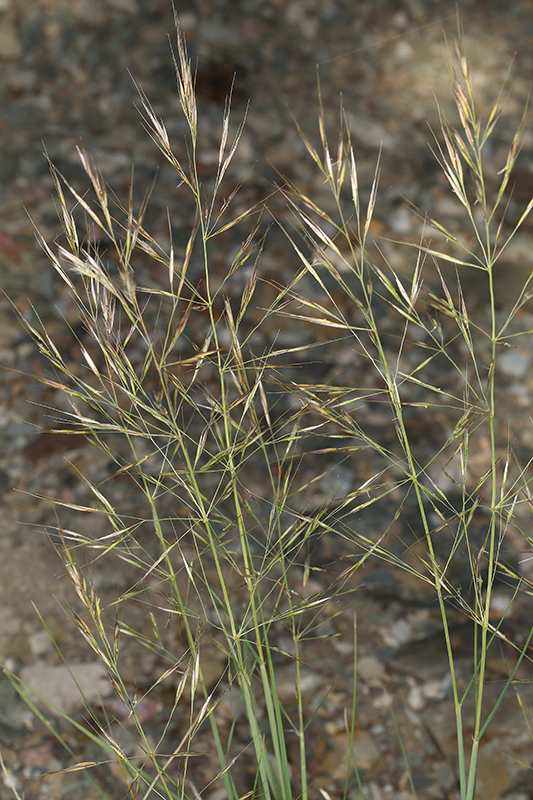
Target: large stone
(66,689)
(337,762)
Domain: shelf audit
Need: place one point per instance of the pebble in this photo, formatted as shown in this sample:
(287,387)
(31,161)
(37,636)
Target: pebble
(11,782)
(10,45)
(14,714)
(88,11)
(38,759)
(400,633)
(40,642)
(370,669)
(401,221)
(371,791)
(5,413)
(415,698)
(9,626)
(129,6)
(222,38)
(433,690)
(286,686)
(519,248)
(365,753)
(520,394)
(515,363)
(445,775)
(372,133)
(337,483)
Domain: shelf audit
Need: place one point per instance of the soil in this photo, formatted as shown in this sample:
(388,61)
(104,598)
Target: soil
(66,82)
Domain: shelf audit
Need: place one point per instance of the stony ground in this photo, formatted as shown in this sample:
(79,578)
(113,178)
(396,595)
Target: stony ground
(64,83)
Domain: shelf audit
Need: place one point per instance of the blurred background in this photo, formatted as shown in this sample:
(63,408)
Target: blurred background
(66,70)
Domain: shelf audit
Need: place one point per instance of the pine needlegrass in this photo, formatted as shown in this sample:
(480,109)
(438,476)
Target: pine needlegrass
(180,393)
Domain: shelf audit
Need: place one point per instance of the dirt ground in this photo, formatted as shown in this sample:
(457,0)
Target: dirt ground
(66,82)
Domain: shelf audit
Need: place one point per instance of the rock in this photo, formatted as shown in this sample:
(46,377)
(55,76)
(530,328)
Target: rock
(10,627)
(515,363)
(415,698)
(400,633)
(401,221)
(445,776)
(87,11)
(10,45)
(13,713)
(505,750)
(434,690)
(372,133)
(286,684)
(365,754)
(67,689)
(129,6)
(370,669)
(38,759)
(40,642)
(337,483)
(495,769)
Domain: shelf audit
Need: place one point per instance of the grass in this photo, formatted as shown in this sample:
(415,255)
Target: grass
(231,460)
